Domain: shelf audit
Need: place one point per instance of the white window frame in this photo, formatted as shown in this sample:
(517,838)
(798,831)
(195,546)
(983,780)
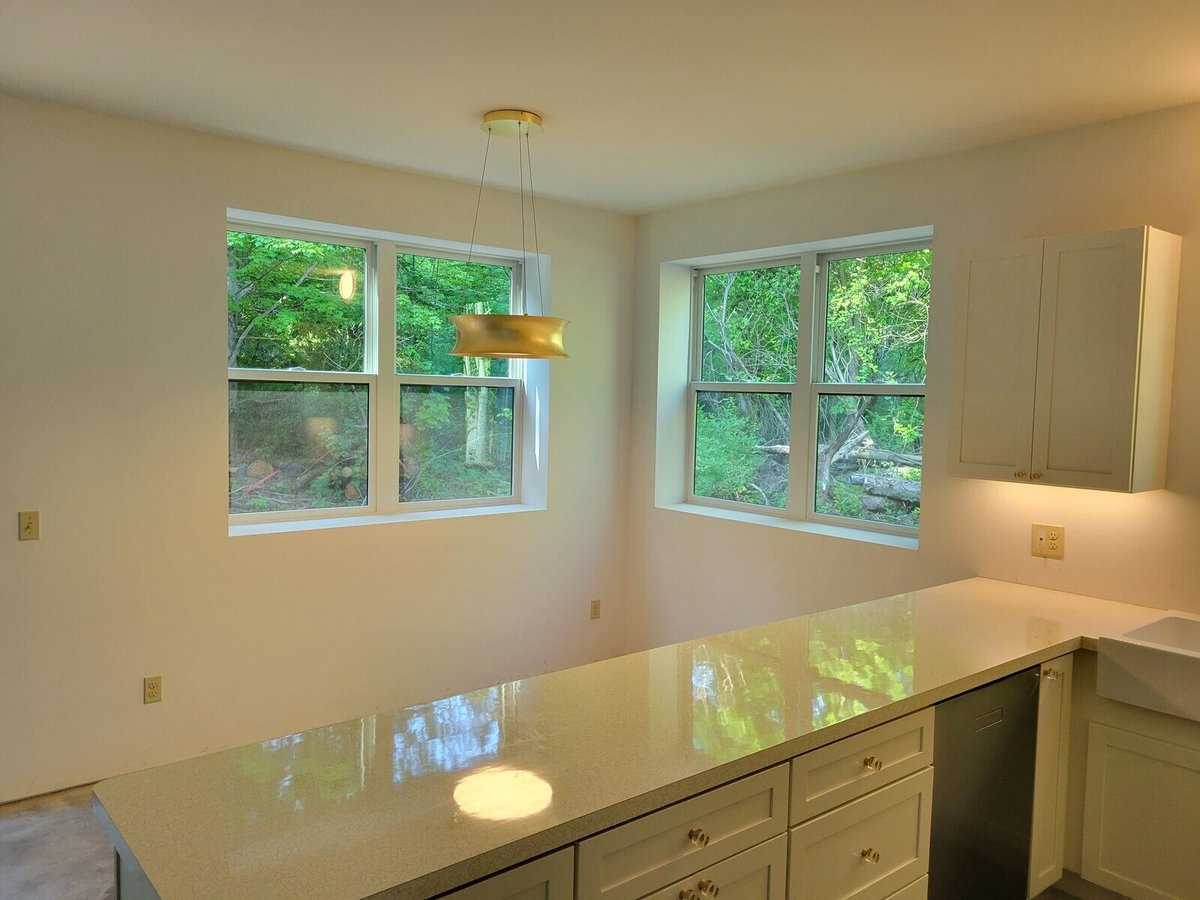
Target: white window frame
(804,394)
(384,386)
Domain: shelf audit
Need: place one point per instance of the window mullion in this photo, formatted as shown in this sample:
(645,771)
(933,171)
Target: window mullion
(800,483)
(385,423)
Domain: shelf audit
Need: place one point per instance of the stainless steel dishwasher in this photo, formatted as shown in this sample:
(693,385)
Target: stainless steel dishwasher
(982,815)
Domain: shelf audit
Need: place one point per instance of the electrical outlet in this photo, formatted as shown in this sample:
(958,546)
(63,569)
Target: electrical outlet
(1048,541)
(595,609)
(29,525)
(151,688)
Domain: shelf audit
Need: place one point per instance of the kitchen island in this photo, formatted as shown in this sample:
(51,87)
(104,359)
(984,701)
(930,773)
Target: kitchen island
(418,801)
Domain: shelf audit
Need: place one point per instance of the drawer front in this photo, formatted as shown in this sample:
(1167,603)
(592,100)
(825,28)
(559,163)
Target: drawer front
(759,873)
(918,890)
(836,774)
(548,878)
(642,856)
(865,850)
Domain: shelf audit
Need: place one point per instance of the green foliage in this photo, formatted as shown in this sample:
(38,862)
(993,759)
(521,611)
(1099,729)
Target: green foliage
(877,318)
(723,726)
(727,463)
(750,325)
(428,291)
(284,306)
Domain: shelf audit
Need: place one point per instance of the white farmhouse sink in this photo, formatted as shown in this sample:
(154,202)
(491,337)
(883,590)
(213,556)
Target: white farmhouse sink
(1156,666)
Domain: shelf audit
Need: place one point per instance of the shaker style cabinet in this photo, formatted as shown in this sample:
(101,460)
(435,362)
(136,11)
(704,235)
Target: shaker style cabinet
(1063,354)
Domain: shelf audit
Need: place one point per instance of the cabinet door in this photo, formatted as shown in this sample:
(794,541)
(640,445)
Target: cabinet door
(1141,815)
(1087,369)
(1050,775)
(998,293)
(549,878)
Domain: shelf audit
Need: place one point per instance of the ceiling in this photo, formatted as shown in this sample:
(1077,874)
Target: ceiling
(647,103)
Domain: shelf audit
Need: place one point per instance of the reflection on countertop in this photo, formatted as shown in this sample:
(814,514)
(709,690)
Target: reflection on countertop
(426,797)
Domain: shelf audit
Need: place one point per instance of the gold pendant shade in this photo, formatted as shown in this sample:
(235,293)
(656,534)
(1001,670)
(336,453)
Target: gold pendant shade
(509,336)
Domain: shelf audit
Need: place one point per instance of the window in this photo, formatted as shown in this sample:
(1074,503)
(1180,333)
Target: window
(807,386)
(343,396)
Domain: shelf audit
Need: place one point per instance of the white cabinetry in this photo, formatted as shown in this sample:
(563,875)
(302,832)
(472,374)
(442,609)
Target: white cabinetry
(548,878)
(1142,815)
(1050,775)
(647,854)
(1064,350)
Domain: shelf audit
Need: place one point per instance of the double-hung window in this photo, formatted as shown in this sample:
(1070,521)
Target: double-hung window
(344,399)
(807,386)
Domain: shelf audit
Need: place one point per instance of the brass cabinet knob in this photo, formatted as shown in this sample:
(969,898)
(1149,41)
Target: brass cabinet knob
(698,837)
(870,855)
(688,894)
(1020,473)
(1050,674)
(874,763)
(1036,475)
(708,887)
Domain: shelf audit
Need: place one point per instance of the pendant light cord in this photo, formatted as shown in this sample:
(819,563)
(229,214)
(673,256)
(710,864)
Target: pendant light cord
(479,196)
(524,255)
(537,250)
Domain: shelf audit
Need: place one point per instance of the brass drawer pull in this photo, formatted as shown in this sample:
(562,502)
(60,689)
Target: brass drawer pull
(1019,474)
(874,763)
(870,855)
(688,894)
(708,887)
(1036,475)
(698,837)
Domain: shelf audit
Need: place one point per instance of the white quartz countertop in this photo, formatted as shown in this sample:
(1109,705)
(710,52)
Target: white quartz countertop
(413,802)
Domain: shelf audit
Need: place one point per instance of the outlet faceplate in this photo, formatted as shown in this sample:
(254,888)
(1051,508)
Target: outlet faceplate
(594,609)
(29,525)
(1048,541)
(152,689)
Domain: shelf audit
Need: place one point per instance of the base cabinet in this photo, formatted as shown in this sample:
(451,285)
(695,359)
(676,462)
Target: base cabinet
(1142,815)
(759,873)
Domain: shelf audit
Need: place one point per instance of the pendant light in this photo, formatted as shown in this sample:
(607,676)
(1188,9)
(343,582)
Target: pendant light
(511,335)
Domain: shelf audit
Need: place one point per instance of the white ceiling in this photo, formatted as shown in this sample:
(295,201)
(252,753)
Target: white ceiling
(647,103)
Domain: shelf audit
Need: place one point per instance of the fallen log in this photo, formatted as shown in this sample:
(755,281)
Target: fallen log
(892,488)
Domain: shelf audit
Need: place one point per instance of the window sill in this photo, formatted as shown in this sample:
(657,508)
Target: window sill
(900,542)
(240,530)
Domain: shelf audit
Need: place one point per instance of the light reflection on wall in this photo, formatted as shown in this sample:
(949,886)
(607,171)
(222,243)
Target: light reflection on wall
(737,698)
(499,793)
(853,675)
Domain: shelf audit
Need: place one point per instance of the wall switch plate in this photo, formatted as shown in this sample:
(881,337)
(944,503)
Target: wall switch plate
(1048,541)
(594,609)
(152,689)
(29,525)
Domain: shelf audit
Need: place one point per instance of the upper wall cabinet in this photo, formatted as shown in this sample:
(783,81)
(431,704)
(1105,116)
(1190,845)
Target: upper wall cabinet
(1063,355)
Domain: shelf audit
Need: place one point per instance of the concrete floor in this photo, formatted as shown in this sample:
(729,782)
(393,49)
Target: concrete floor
(52,848)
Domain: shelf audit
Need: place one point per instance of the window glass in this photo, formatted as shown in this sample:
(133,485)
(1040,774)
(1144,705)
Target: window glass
(876,318)
(749,327)
(455,442)
(294,304)
(296,445)
(868,459)
(429,290)
(742,447)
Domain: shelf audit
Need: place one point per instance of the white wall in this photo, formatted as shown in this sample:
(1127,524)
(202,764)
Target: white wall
(112,346)
(692,575)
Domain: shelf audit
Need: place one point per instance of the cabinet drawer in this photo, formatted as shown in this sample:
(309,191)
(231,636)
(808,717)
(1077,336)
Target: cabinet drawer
(759,873)
(918,890)
(835,774)
(831,854)
(548,878)
(642,856)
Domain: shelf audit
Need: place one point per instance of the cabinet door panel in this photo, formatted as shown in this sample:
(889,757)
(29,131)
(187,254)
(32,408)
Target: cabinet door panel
(1088,358)
(1047,842)
(1141,815)
(998,293)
